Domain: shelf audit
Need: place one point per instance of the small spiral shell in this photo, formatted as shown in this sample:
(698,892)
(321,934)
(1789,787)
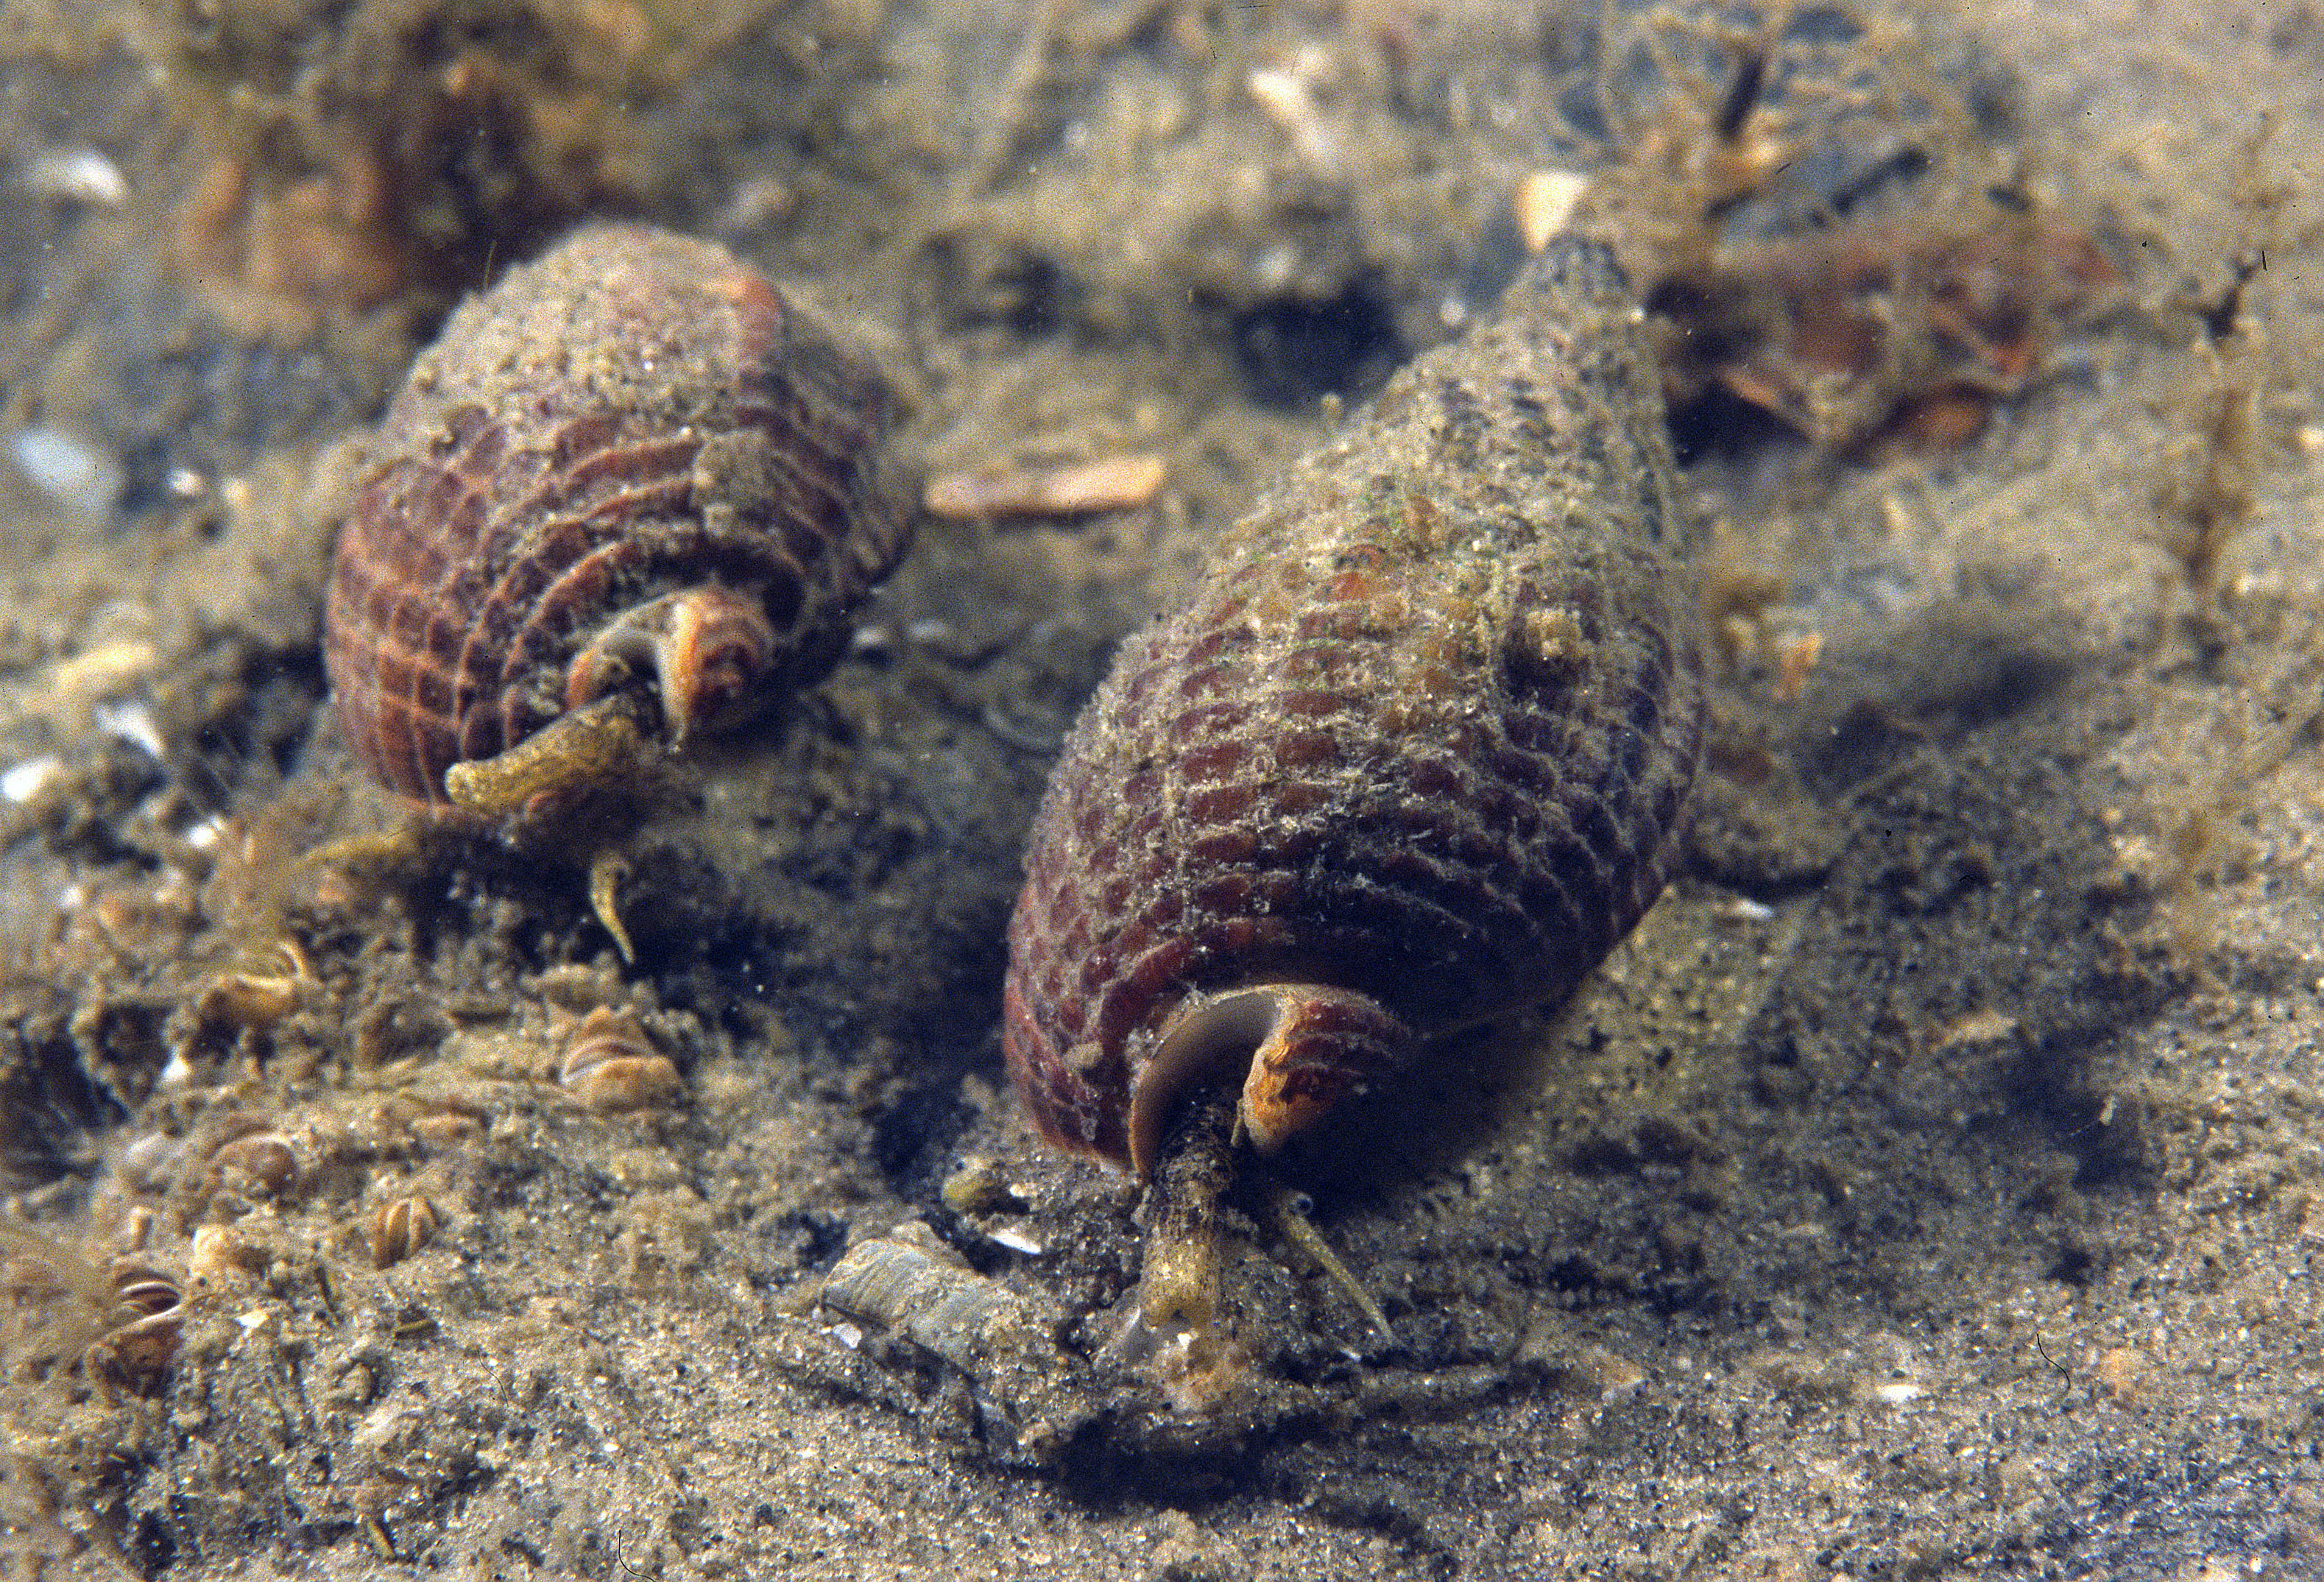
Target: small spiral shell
(1413,754)
(140,1291)
(631,492)
(134,1353)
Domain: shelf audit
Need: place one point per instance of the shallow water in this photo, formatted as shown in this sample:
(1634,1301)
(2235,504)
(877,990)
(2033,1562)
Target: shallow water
(1927,1187)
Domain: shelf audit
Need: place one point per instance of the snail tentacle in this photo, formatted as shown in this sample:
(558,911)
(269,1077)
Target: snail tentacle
(1298,1048)
(1291,1209)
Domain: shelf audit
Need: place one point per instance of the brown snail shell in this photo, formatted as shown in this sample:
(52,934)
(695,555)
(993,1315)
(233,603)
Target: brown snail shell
(1412,755)
(631,492)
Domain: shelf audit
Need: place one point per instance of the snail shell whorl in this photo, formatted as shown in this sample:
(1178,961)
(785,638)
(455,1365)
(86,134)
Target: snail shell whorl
(1412,755)
(628,465)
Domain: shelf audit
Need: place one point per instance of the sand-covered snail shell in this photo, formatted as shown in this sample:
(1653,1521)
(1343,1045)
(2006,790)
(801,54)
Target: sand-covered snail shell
(631,493)
(255,1160)
(1412,755)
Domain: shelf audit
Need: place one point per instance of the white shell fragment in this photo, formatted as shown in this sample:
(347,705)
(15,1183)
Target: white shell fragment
(77,175)
(1117,482)
(74,474)
(22,782)
(1285,98)
(131,722)
(1544,201)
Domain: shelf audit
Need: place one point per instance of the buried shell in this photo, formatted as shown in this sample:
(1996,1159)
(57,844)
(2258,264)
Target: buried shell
(400,1228)
(631,492)
(135,1352)
(1412,755)
(255,1160)
(611,1067)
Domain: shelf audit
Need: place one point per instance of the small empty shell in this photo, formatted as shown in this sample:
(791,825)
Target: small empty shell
(259,1161)
(613,1068)
(246,999)
(235,1000)
(220,1259)
(401,1227)
(150,1164)
(910,1285)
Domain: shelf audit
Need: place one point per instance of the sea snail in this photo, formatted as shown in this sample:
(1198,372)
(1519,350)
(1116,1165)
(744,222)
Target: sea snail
(631,493)
(1413,754)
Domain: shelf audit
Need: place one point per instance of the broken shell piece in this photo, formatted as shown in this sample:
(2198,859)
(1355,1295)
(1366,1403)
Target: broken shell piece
(909,1284)
(978,1187)
(448,1122)
(77,175)
(256,1000)
(1795,659)
(572,986)
(1544,201)
(75,475)
(244,999)
(1288,100)
(613,1068)
(221,1260)
(1119,482)
(22,782)
(150,1164)
(105,671)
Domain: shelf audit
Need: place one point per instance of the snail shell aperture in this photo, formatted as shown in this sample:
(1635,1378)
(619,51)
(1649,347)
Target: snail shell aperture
(631,492)
(1413,754)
